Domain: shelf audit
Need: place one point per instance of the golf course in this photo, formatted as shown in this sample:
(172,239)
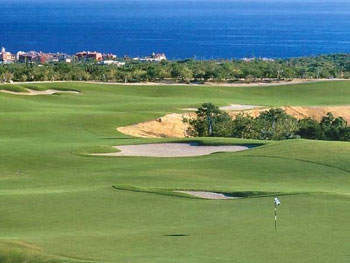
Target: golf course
(60,201)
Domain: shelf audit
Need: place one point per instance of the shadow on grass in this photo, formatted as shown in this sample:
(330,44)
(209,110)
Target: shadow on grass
(176,235)
(175,193)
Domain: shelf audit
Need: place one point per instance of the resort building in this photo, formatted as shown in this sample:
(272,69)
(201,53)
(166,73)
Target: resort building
(158,57)
(28,57)
(18,54)
(87,55)
(109,56)
(112,62)
(65,58)
(153,58)
(6,57)
(45,57)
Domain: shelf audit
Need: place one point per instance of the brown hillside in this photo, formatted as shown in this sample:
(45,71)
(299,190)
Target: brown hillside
(172,126)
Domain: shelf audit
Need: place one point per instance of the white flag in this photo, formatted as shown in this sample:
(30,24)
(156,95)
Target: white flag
(277,201)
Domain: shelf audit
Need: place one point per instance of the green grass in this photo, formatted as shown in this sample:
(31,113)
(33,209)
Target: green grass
(14,88)
(58,204)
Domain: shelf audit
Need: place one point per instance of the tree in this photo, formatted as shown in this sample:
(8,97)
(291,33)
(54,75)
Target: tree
(244,127)
(186,74)
(309,129)
(210,121)
(276,124)
(332,128)
(6,77)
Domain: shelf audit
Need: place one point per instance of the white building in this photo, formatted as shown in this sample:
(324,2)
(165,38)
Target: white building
(112,62)
(6,57)
(154,57)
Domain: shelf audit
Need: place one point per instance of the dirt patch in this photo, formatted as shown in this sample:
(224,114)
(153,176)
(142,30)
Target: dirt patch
(301,112)
(31,92)
(170,150)
(208,195)
(169,126)
(172,126)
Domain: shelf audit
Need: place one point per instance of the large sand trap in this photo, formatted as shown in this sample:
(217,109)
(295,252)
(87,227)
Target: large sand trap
(39,92)
(172,126)
(208,195)
(170,150)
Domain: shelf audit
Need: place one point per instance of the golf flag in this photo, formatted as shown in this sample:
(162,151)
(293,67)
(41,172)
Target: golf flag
(277,203)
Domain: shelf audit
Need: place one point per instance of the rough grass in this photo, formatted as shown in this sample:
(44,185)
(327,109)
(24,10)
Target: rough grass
(14,88)
(88,151)
(16,252)
(62,202)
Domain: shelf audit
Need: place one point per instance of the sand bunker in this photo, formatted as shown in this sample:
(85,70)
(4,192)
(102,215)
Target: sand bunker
(238,107)
(232,107)
(39,92)
(172,126)
(171,150)
(208,195)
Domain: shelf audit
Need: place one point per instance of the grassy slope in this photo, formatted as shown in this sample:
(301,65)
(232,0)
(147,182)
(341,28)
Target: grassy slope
(62,203)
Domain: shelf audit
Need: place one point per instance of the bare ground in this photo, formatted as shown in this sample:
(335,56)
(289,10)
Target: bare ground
(301,112)
(169,126)
(172,126)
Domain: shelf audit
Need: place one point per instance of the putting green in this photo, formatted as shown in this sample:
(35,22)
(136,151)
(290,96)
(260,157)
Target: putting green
(58,203)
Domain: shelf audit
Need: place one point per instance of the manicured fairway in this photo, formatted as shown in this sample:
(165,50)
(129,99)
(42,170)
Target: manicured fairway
(58,203)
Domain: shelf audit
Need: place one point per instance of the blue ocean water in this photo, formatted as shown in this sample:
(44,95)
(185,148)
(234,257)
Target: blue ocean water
(181,29)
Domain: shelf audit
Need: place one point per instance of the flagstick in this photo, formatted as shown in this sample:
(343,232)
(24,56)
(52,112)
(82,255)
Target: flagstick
(277,203)
(275,217)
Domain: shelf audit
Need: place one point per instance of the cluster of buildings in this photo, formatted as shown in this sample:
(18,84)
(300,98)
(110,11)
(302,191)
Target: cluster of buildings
(32,57)
(41,57)
(153,58)
(254,59)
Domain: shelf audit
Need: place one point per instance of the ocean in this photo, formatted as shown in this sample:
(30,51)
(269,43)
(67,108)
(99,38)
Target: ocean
(201,29)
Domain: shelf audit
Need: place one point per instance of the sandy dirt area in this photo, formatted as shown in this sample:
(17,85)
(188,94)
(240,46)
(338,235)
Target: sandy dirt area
(39,92)
(168,126)
(208,195)
(172,126)
(170,150)
(301,112)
